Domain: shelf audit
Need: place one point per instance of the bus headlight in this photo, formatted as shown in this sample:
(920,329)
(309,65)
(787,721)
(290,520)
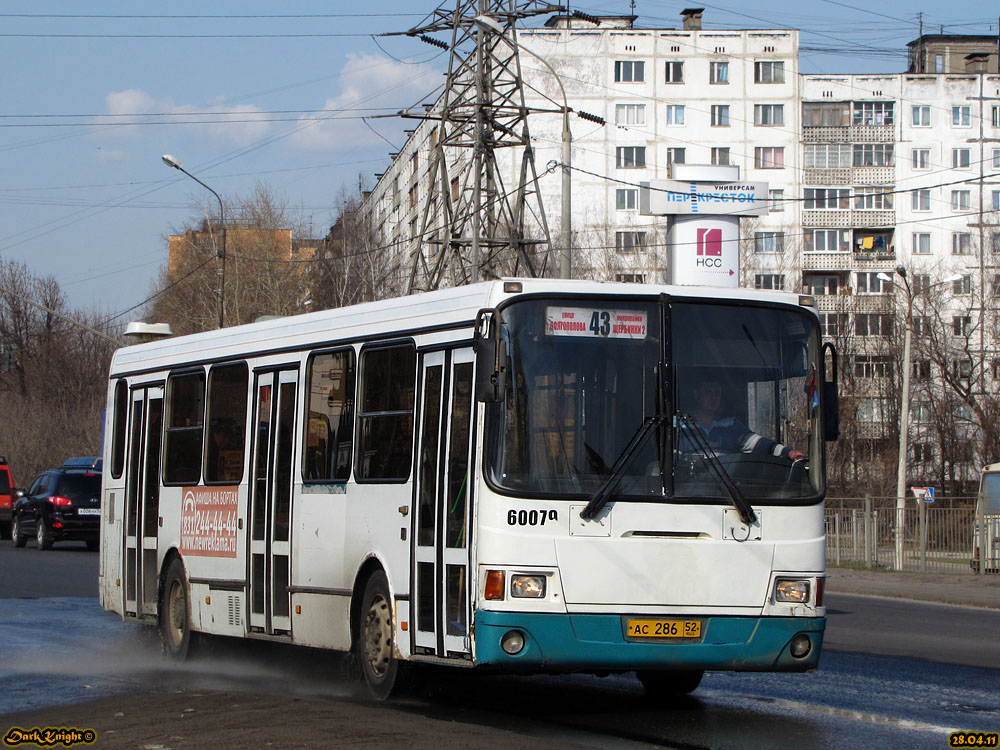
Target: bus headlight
(527,587)
(791,591)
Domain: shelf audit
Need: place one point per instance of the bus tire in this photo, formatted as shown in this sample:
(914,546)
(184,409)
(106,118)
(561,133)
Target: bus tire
(670,684)
(175,612)
(374,645)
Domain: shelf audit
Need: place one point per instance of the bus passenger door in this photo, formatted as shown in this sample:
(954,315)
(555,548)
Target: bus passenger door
(271,501)
(441,520)
(142,501)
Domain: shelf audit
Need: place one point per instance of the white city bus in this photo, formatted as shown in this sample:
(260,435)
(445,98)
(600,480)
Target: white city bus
(507,475)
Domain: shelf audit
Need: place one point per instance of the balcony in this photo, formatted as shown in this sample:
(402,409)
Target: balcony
(848,133)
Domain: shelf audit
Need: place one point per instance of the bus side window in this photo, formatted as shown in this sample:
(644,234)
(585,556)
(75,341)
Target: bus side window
(385,419)
(227,419)
(119,420)
(185,415)
(329,433)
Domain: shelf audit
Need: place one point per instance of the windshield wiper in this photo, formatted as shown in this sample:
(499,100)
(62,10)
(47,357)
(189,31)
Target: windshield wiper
(603,494)
(696,436)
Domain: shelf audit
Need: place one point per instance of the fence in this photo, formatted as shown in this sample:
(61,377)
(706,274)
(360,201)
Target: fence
(939,537)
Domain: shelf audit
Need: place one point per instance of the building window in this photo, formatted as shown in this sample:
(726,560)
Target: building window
(720,155)
(996,116)
(630,71)
(962,285)
(833,324)
(921,158)
(921,116)
(630,242)
(630,157)
(996,158)
(921,412)
(962,369)
(873,155)
(920,369)
(826,114)
(960,200)
(961,158)
(873,113)
(827,240)
(961,325)
(995,242)
(961,243)
(674,71)
(626,199)
(827,155)
(768,71)
(675,114)
(769,157)
(821,286)
(675,155)
(868,282)
(920,200)
(630,114)
(821,199)
(921,283)
(996,200)
(872,198)
(873,324)
(922,453)
(872,410)
(768,242)
(921,243)
(776,200)
(769,281)
(631,278)
(995,286)
(961,116)
(768,114)
(871,365)
(720,115)
(718,72)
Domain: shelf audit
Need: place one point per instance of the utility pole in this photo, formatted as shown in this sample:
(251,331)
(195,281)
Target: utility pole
(471,223)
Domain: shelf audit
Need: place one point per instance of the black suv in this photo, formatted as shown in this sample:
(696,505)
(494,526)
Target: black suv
(61,504)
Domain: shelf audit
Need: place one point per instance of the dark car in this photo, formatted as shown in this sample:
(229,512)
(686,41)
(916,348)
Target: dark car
(61,504)
(6,498)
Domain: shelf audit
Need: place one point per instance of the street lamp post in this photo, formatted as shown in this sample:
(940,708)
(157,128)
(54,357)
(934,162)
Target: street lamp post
(904,408)
(170,161)
(904,420)
(566,257)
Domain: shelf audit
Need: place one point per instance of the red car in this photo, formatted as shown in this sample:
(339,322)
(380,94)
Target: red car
(6,498)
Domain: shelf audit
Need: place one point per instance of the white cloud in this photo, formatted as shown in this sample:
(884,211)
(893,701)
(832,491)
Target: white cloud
(367,82)
(240,125)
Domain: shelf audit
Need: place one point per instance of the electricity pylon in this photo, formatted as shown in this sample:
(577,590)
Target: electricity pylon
(472,223)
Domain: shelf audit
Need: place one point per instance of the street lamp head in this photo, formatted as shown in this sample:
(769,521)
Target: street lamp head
(952,278)
(171,161)
(901,270)
(488,23)
(884,277)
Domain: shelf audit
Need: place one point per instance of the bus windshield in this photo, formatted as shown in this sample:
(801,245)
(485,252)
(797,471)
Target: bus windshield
(605,395)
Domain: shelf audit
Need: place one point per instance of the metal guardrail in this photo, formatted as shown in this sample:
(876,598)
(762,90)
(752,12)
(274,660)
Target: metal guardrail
(935,539)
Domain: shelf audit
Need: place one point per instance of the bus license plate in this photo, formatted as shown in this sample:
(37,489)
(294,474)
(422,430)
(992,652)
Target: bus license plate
(663,628)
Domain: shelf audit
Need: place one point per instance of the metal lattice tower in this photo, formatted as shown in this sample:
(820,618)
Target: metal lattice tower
(471,222)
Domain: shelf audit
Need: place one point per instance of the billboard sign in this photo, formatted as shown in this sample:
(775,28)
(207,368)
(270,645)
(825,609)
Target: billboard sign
(666,197)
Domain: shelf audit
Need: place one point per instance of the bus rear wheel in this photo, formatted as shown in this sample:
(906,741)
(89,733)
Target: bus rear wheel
(374,641)
(668,684)
(174,620)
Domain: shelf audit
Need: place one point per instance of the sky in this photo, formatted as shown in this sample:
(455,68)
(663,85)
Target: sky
(297,96)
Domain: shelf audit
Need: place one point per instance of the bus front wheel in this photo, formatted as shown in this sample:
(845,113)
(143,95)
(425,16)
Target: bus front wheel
(175,623)
(669,684)
(374,642)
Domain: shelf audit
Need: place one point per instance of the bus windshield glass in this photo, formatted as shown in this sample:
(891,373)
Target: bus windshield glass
(604,395)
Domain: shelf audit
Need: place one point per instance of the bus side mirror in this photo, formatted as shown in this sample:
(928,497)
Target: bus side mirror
(491,359)
(831,397)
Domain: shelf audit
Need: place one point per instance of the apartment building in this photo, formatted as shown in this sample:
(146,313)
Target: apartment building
(865,172)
